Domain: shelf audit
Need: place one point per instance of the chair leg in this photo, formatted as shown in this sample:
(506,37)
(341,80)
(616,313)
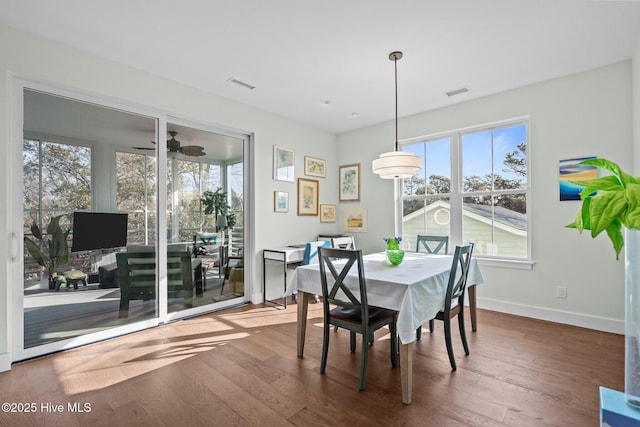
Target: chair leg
(462,332)
(352,341)
(447,338)
(124,308)
(335,328)
(325,347)
(419,332)
(394,344)
(431,325)
(364,360)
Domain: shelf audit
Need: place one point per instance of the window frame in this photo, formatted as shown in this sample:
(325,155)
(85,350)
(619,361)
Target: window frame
(457,194)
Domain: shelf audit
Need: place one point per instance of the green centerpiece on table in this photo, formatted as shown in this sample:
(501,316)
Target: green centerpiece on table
(395,255)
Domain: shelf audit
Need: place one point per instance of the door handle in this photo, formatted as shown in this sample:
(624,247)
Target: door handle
(13,247)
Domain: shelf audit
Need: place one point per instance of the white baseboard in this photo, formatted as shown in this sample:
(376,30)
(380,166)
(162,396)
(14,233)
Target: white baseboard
(5,362)
(568,318)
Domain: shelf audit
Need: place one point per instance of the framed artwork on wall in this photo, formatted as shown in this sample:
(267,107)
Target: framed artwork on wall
(571,169)
(308,196)
(327,213)
(281,201)
(354,220)
(283,164)
(349,182)
(315,167)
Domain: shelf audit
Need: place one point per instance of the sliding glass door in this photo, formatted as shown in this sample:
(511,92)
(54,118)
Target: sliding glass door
(75,218)
(203,213)
(100,258)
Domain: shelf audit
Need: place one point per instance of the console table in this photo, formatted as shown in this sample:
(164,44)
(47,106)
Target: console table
(289,256)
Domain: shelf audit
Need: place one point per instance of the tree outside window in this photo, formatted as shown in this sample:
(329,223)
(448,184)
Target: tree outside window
(492,199)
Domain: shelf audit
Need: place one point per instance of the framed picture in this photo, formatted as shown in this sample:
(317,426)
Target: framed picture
(308,196)
(327,213)
(349,181)
(281,201)
(283,164)
(315,167)
(571,169)
(354,220)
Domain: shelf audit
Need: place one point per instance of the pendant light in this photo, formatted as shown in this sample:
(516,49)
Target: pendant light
(396,164)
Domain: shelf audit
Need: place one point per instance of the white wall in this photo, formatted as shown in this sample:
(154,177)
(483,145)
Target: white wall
(635,69)
(32,57)
(578,115)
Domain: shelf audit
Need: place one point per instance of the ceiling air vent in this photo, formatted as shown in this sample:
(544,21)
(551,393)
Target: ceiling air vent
(457,91)
(241,83)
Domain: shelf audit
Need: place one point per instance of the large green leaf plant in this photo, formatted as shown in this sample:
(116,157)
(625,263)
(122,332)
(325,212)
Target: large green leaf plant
(608,203)
(215,202)
(51,250)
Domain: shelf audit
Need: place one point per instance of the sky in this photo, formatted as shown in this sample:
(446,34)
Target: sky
(476,152)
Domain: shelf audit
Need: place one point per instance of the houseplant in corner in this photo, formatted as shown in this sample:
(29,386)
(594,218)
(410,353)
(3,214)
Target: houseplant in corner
(215,202)
(51,250)
(611,203)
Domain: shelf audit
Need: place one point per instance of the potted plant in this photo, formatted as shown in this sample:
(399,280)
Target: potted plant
(610,203)
(215,202)
(51,250)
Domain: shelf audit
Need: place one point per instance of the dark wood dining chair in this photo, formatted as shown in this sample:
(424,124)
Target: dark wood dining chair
(351,311)
(454,300)
(431,244)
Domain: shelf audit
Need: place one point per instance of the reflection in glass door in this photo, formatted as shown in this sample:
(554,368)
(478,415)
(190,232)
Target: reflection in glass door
(205,214)
(87,195)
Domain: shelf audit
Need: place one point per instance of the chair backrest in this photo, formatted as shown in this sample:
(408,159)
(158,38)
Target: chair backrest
(206,238)
(311,251)
(335,264)
(458,281)
(137,269)
(432,244)
(345,242)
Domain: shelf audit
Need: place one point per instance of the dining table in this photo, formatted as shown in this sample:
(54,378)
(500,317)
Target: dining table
(415,288)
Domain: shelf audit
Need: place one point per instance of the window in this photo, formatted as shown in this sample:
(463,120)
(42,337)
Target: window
(473,187)
(57,181)
(136,195)
(235,190)
(187,181)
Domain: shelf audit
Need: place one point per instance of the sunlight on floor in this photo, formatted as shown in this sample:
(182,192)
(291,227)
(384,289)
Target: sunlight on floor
(122,365)
(161,347)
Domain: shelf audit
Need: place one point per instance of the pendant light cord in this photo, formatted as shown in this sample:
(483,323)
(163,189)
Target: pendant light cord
(395,63)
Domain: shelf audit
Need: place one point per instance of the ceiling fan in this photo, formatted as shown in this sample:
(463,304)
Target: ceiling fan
(174,146)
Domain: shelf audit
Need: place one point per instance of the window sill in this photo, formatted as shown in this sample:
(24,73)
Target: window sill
(505,263)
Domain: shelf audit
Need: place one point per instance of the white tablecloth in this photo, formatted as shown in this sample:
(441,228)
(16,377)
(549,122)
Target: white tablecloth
(416,288)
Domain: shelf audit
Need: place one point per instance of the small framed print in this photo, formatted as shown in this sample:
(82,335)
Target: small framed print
(349,181)
(315,167)
(283,164)
(354,220)
(281,201)
(327,213)
(308,196)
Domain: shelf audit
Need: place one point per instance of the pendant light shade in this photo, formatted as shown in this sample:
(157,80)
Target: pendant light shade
(396,164)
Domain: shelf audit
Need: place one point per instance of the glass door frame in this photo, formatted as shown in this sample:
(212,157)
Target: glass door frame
(14,214)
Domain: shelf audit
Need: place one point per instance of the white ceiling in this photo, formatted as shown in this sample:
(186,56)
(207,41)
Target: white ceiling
(64,119)
(300,53)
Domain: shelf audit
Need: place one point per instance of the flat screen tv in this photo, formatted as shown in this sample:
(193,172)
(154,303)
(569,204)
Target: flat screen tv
(98,230)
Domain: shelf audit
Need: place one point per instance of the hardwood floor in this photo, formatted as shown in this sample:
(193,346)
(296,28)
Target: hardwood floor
(239,368)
